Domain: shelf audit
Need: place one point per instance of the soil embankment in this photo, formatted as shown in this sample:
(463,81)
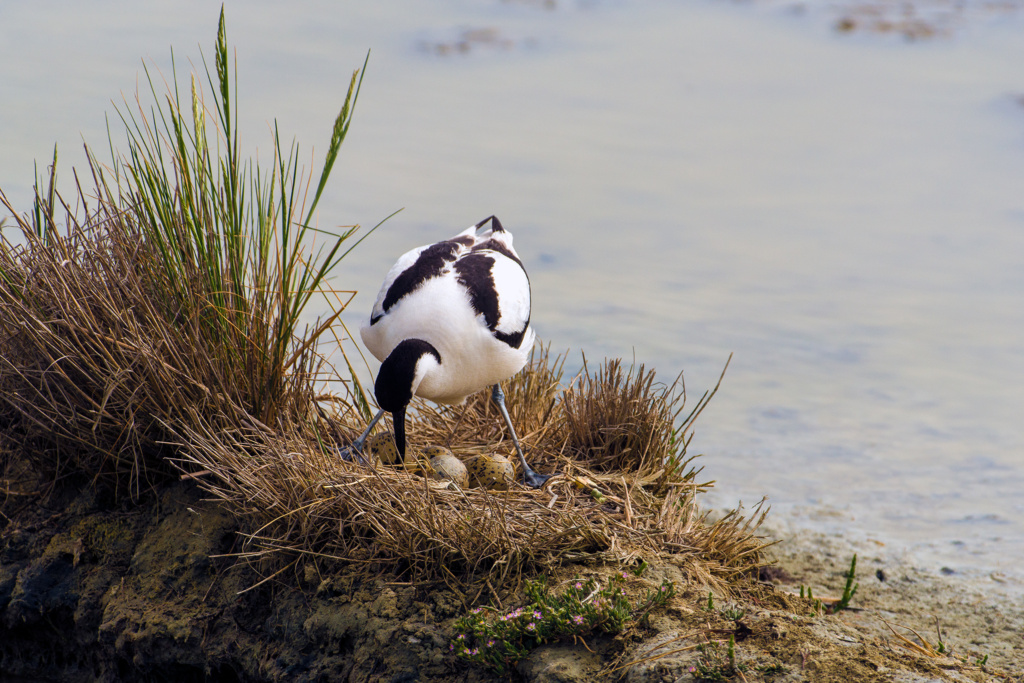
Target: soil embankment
(92,592)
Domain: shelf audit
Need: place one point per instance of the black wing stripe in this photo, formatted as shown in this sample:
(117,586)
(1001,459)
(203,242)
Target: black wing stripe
(429,264)
(474,273)
(515,339)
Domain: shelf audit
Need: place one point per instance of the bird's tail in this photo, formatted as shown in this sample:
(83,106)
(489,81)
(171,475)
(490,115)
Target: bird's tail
(495,226)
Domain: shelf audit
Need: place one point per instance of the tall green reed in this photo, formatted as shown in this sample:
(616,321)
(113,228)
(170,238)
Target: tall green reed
(237,250)
(169,297)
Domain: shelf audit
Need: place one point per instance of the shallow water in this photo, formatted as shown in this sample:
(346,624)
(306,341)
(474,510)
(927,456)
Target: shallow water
(843,212)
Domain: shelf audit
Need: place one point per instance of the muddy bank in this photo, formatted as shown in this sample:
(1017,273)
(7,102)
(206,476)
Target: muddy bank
(95,594)
(91,591)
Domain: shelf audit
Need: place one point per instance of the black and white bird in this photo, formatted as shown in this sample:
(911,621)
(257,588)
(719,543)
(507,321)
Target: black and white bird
(451,318)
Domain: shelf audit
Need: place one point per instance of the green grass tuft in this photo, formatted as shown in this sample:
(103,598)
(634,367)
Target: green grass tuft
(850,589)
(170,298)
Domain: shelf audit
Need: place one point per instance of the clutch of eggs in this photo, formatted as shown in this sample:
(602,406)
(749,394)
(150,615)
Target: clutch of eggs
(491,471)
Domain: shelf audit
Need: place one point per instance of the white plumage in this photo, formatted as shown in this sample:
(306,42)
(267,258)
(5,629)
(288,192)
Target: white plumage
(451,318)
(439,310)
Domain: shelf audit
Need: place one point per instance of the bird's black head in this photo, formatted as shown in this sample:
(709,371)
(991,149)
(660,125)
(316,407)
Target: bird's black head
(397,381)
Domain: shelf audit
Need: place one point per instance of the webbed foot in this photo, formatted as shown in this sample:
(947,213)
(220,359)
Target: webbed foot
(535,479)
(353,453)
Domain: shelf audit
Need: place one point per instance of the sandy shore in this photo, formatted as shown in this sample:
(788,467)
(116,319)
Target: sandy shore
(973,618)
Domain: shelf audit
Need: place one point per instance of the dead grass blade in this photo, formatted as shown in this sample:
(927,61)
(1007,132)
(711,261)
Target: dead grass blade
(921,648)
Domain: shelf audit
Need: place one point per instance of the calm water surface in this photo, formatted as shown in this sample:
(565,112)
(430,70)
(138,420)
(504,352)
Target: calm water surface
(684,180)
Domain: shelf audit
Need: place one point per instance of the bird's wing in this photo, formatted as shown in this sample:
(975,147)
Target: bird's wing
(413,269)
(419,265)
(498,290)
(513,287)
(404,262)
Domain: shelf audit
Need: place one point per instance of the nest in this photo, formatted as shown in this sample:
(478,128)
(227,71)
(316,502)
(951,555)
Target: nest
(624,491)
(98,377)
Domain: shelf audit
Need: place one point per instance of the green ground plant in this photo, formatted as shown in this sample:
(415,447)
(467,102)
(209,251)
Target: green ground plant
(498,640)
(717,662)
(850,589)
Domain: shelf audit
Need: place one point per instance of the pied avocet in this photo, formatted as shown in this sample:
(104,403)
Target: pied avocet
(451,318)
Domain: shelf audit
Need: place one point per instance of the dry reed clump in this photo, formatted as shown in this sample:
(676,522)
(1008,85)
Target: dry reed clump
(170,294)
(620,420)
(95,365)
(88,364)
(304,501)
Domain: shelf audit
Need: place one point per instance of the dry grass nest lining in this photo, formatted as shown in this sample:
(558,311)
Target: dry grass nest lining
(625,489)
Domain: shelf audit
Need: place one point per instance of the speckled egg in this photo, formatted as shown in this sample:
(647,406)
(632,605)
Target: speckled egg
(418,462)
(492,471)
(447,466)
(434,451)
(383,446)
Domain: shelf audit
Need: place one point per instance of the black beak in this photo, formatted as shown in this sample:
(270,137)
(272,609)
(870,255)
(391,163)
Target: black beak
(398,418)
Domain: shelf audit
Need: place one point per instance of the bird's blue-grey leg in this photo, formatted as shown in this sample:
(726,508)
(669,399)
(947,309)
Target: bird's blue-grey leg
(530,477)
(355,449)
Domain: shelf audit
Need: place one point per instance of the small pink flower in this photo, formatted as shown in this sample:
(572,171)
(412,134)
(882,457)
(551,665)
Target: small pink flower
(577,619)
(578,586)
(531,626)
(536,614)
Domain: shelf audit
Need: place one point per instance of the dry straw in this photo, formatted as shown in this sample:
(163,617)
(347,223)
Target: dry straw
(302,500)
(157,335)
